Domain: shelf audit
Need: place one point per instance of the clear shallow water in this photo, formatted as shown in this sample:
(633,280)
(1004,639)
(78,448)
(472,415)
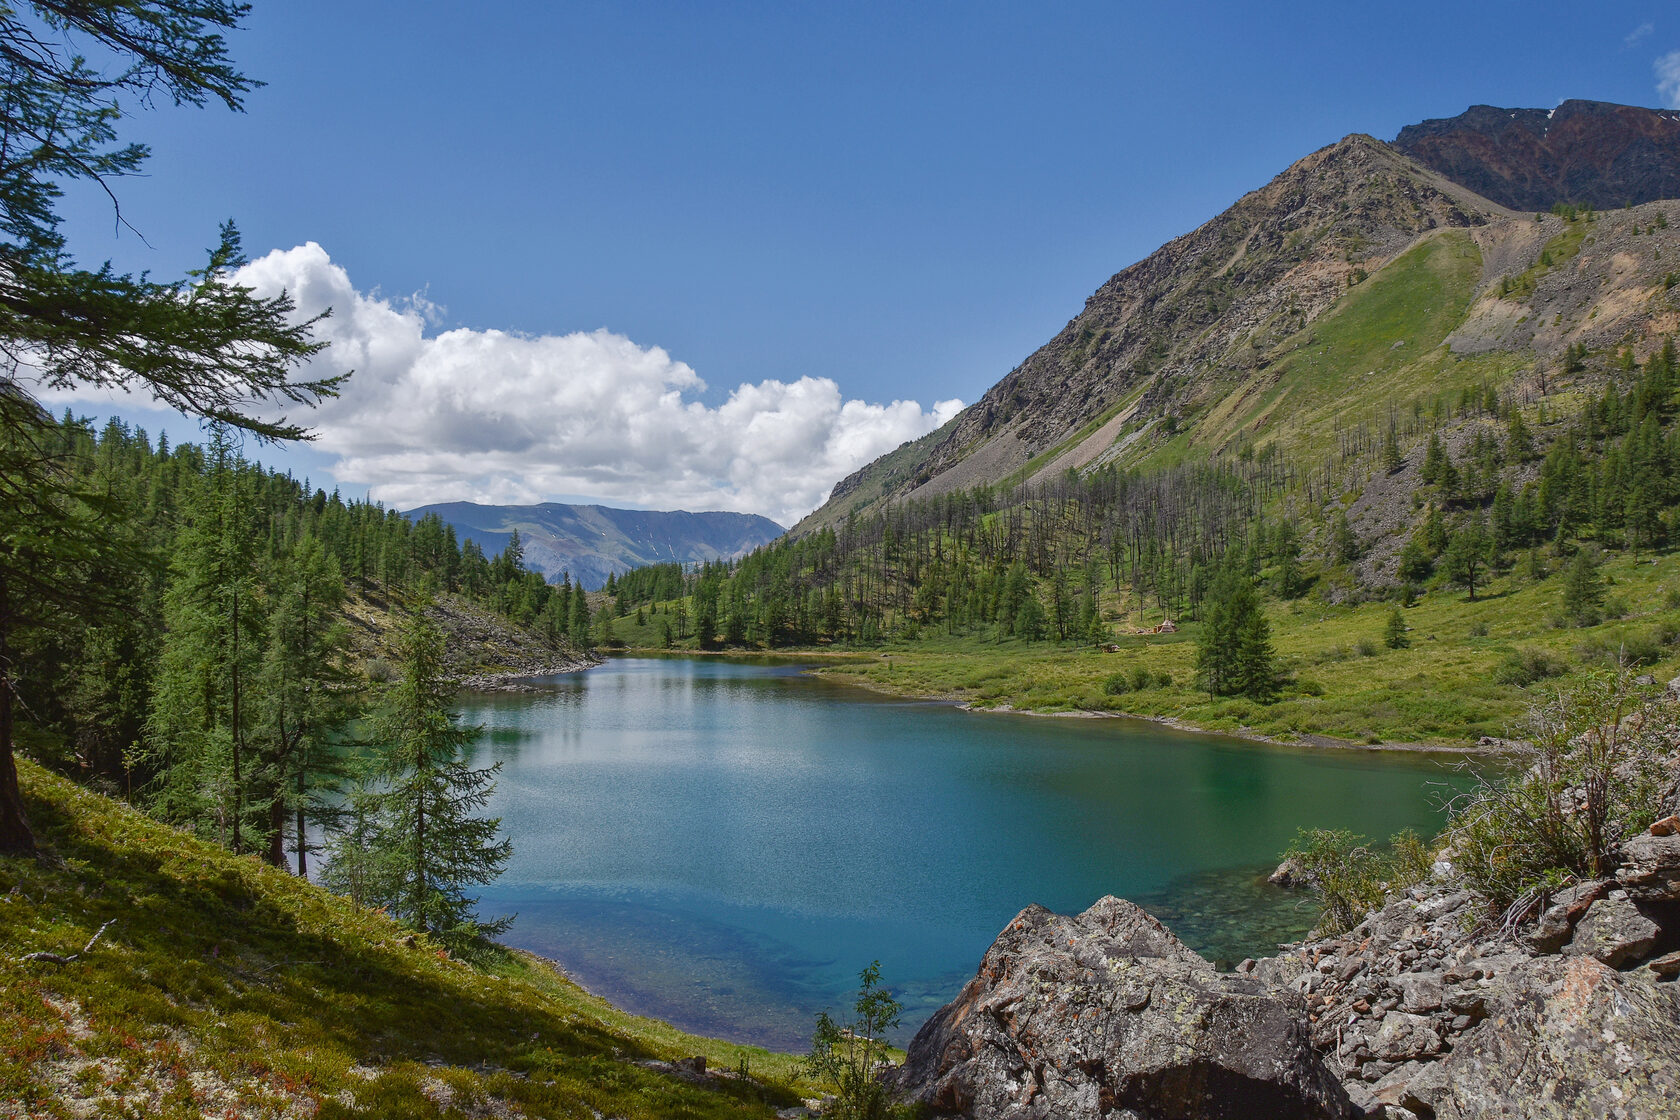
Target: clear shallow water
(725,845)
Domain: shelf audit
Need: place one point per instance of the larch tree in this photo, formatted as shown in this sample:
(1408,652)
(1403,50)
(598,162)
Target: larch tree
(201,344)
(428,840)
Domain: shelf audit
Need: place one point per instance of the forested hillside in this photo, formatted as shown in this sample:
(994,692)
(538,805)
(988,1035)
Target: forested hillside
(1494,483)
(222,624)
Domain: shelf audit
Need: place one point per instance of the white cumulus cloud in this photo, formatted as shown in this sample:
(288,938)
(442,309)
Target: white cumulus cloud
(493,416)
(1668,79)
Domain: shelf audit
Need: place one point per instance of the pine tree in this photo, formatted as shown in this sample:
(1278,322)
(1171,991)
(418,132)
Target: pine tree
(1466,556)
(1344,546)
(202,714)
(1583,589)
(202,344)
(304,695)
(427,842)
(1394,635)
(1233,650)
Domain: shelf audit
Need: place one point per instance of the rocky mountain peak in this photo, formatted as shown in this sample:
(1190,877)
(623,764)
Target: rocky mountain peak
(1592,153)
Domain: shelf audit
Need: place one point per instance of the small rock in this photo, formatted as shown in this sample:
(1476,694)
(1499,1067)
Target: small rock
(1291,875)
(1668,826)
(1403,1037)
(1666,966)
(1614,931)
(1557,922)
(1421,992)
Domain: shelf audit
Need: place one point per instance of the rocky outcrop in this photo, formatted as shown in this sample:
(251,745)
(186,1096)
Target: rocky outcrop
(1590,153)
(1651,867)
(1108,1013)
(1415,1015)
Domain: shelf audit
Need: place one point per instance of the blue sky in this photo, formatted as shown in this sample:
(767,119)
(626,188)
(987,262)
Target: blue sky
(635,212)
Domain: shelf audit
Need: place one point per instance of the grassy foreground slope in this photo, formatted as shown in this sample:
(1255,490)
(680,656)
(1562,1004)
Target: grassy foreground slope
(226,987)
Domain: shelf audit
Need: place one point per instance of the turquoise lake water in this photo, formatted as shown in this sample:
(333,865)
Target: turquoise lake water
(725,845)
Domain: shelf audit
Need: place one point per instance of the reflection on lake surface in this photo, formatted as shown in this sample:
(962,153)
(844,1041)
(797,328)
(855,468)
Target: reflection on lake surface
(725,845)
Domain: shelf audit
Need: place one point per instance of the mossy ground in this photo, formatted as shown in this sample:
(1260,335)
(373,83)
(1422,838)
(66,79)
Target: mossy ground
(1344,681)
(228,988)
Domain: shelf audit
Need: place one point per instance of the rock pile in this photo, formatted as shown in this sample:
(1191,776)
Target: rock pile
(1416,1013)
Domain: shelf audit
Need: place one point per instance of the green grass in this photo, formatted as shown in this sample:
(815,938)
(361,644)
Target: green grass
(1346,365)
(1443,689)
(227,987)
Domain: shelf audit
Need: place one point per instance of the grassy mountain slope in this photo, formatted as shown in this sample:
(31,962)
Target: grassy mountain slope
(592,542)
(225,987)
(1353,286)
(1209,309)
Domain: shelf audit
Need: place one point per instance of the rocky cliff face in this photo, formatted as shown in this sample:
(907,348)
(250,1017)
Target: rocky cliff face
(1583,152)
(1409,1016)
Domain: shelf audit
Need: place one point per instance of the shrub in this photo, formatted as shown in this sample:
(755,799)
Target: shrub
(1479,630)
(1365,647)
(1623,649)
(1351,876)
(1527,664)
(1140,678)
(1117,685)
(1597,766)
(846,1057)
(1163,679)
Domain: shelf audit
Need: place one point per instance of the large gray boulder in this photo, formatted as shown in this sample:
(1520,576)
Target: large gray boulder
(1651,868)
(1616,931)
(1109,1014)
(1571,1037)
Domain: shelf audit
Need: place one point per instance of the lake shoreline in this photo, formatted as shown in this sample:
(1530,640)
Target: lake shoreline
(1301,739)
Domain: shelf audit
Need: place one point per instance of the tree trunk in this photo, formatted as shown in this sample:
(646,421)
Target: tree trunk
(16,837)
(302,832)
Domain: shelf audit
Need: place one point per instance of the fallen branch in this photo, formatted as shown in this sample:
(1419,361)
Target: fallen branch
(56,958)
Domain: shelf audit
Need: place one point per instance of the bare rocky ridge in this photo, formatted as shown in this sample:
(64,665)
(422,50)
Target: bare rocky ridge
(1416,1013)
(1590,153)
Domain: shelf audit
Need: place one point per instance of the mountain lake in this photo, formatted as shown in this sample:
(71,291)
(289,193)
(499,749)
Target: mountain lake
(724,845)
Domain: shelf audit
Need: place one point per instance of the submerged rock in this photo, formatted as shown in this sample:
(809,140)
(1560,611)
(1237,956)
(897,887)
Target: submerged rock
(1108,1013)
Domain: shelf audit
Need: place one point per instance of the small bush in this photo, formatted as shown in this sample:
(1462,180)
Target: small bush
(1527,664)
(1479,630)
(1140,678)
(1622,650)
(1163,679)
(1117,685)
(1595,777)
(1365,647)
(1351,876)
(379,670)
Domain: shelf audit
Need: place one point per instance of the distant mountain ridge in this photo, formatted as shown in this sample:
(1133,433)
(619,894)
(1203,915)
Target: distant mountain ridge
(591,542)
(1589,153)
